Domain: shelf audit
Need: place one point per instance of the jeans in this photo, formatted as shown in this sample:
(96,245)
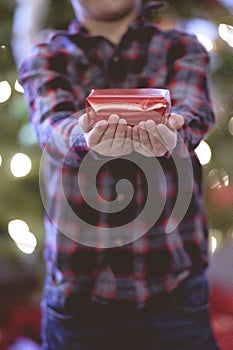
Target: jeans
(178,321)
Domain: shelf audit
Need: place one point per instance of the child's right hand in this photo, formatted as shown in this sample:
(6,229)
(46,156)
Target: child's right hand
(112,138)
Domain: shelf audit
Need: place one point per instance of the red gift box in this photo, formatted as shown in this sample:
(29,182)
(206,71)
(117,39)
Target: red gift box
(134,105)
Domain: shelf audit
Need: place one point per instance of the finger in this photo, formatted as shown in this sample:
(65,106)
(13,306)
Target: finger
(159,149)
(128,143)
(136,140)
(84,122)
(95,135)
(129,132)
(169,137)
(113,119)
(152,131)
(120,134)
(110,131)
(121,129)
(144,136)
(175,121)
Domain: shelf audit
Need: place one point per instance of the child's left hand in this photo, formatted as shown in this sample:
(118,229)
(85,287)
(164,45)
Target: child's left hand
(153,140)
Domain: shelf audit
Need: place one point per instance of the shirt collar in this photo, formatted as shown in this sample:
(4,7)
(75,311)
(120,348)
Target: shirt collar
(144,16)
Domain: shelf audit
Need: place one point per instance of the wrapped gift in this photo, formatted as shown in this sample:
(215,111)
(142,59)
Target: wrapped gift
(134,105)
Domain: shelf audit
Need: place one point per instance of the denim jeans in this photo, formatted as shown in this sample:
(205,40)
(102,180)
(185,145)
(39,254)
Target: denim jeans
(178,321)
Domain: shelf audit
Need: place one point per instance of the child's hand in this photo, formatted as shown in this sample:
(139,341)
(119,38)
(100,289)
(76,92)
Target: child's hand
(153,140)
(110,138)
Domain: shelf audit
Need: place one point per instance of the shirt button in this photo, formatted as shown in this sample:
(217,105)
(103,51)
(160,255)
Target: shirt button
(116,59)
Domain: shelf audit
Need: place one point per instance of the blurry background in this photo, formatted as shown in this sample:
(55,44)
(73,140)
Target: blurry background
(24,22)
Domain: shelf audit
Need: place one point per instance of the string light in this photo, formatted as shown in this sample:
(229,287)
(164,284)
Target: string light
(23,238)
(20,165)
(5,91)
(203,152)
(0,160)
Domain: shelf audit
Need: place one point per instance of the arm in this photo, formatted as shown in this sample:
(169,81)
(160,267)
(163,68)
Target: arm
(61,131)
(191,114)
(52,106)
(187,80)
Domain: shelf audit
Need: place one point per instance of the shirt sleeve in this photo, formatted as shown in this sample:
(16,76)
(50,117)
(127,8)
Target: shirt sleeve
(187,80)
(52,106)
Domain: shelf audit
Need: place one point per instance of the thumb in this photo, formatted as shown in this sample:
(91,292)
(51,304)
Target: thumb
(84,123)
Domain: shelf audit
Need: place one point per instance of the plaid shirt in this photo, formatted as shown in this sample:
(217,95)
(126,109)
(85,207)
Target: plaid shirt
(86,257)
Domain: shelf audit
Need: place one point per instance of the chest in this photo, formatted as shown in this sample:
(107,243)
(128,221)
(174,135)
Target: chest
(135,63)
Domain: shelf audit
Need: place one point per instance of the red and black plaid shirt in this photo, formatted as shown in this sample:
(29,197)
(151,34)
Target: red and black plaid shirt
(92,250)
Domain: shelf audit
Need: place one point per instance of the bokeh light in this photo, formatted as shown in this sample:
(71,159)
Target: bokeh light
(27,242)
(18,87)
(230,126)
(23,238)
(206,41)
(5,91)
(203,152)
(16,227)
(218,178)
(205,31)
(215,239)
(226,33)
(20,165)
(213,244)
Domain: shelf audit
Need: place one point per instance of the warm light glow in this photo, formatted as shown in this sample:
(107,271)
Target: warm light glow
(5,91)
(0,160)
(23,238)
(215,239)
(20,165)
(226,33)
(206,42)
(218,178)
(19,87)
(203,152)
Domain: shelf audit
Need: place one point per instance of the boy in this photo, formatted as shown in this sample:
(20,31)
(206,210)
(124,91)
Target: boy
(139,286)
